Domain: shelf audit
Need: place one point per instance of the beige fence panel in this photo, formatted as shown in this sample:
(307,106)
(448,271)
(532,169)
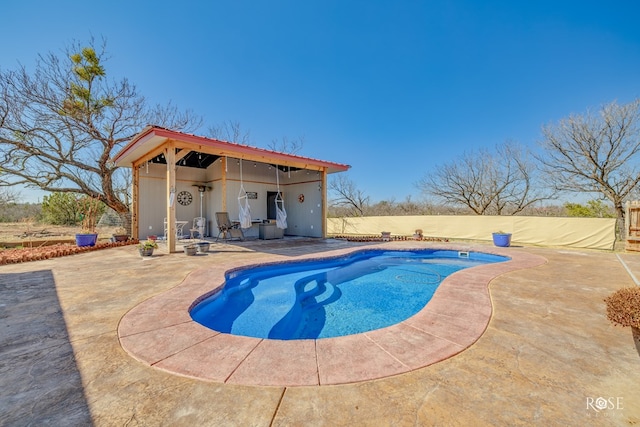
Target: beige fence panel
(593,233)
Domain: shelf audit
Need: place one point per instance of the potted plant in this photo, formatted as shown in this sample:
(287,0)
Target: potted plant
(89,209)
(623,309)
(146,248)
(502,239)
(202,247)
(190,249)
(120,235)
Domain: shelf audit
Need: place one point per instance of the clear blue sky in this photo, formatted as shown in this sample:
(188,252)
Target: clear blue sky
(389,87)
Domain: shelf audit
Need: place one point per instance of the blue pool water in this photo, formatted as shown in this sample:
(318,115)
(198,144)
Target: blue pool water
(331,297)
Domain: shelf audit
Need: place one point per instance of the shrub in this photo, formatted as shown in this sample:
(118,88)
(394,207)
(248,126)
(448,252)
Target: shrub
(61,209)
(623,307)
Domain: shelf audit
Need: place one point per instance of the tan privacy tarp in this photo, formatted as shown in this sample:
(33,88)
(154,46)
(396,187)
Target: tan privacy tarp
(593,233)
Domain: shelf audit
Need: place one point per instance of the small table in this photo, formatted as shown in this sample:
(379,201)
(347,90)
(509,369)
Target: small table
(270,231)
(251,232)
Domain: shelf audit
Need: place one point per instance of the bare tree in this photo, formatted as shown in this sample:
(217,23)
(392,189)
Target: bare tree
(286,145)
(498,183)
(230,131)
(391,207)
(348,198)
(60,125)
(7,195)
(596,153)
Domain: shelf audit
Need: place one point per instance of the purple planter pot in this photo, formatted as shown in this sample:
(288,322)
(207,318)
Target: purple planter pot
(502,239)
(86,239)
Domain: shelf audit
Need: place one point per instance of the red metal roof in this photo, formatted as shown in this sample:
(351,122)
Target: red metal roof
(152,137)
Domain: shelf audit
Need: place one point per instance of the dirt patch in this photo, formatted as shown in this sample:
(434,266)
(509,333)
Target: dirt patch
(36,234)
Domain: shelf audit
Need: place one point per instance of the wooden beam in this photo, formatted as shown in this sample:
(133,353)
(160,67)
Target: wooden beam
(186,148)
(170,155)
(269,160)
(180,155)
(150,155)
(135,205)
(323,193)
(162,149)
(242,154)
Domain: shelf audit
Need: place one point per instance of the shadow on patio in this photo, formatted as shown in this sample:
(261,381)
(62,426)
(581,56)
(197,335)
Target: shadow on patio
(41,384)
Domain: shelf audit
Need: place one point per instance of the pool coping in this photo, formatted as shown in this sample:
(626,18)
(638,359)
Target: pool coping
(160,333)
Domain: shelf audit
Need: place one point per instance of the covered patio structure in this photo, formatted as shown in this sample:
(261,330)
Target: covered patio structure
(178,177)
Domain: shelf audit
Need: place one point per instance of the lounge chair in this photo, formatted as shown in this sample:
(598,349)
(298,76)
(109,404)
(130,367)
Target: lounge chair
(226,228)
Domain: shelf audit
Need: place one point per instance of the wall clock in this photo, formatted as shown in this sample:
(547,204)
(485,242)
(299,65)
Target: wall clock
(185,198)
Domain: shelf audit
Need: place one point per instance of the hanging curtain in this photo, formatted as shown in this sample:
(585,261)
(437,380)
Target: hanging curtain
(281,213)
(244,210)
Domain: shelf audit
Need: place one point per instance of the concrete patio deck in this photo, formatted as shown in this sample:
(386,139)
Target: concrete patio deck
(548,356)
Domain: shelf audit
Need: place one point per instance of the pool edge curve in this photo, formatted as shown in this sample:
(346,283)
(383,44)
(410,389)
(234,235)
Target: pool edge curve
(451,322)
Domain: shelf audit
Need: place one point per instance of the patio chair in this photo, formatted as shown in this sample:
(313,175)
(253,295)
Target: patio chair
(199,226)
(226,228)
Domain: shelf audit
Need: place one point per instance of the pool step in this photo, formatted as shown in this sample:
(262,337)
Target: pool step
(308,299)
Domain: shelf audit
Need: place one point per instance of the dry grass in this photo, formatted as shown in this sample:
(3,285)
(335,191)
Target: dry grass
(12,232)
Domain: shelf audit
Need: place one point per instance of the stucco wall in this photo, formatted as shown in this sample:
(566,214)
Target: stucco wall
(153,195)
(304,219)
(594,233)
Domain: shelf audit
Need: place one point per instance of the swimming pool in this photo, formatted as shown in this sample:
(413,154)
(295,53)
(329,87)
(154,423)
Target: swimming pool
(332,297)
